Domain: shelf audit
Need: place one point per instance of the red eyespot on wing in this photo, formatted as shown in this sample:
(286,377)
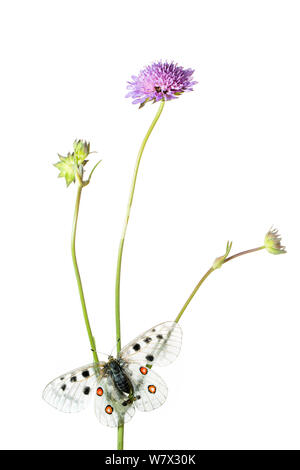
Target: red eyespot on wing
(152,388)
(109,409)
(143,370)
(99,391)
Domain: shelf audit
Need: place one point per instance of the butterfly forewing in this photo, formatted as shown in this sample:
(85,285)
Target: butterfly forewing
(112,407)
(71,392)
(114,403)
(159,345)
(150,391)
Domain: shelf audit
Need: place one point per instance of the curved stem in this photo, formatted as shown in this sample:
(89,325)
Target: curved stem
(121,246)
(208,273)
(77,274)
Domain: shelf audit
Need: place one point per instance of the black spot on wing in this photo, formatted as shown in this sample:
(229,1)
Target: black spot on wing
(159,336)
(137,347)
(148,340)
(150,357)
(63,387)
(73,379)
(86,390)
(85,373)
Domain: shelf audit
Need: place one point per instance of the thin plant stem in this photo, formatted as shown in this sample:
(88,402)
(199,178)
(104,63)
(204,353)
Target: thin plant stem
(121,246)
(193,294)
(77,274)
(121,437)
(243,253)
(206,276)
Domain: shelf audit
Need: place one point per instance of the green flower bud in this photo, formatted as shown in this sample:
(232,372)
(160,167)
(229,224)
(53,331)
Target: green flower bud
(273,242)
(73,163)
(81,150)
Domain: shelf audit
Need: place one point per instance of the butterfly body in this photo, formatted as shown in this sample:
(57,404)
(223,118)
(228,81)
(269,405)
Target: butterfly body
(119,377)
(122,384)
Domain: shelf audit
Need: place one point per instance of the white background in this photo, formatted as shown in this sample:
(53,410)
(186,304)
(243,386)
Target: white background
(222,164)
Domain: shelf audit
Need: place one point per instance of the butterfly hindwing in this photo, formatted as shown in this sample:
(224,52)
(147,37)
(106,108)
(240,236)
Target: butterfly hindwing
(114,404)
(159,345)
(112,407)
(71,392)
(150,391)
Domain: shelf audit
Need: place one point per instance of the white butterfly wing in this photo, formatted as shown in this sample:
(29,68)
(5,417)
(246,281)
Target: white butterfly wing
(112,407)
(150,391)
(72,391)
(160,345)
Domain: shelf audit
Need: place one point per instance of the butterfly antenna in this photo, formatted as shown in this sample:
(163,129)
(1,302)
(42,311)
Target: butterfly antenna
(115,346)
(98,352)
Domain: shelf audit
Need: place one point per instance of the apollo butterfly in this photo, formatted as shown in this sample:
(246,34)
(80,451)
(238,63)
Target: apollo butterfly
(123,383)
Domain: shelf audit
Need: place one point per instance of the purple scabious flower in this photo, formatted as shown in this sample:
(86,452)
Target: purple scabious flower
(160,81)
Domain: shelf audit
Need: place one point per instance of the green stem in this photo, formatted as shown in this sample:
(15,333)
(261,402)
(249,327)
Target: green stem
(120,437)
(206,276)
(121,246)
(193,293)
(77,274)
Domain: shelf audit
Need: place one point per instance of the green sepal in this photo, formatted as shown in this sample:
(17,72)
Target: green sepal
(66,168)
(143,103)
(220,260)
